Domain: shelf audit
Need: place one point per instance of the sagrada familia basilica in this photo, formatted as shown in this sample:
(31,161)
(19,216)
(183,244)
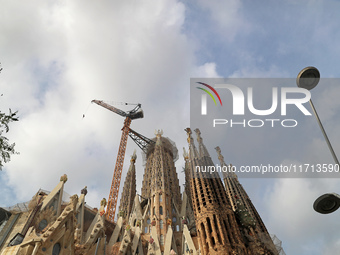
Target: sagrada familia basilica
(209,217)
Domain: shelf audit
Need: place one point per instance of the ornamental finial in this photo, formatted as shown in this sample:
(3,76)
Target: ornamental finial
(63,178)
(158,134)
(84,191)
(198,134)
(103,202)
(188,130)
(133,157)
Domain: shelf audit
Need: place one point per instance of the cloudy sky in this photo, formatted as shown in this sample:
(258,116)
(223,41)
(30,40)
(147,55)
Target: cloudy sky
(57,56)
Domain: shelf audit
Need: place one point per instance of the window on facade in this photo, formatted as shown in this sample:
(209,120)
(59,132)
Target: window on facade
(162,240)
(146,230)
(177,228)
(56,249)
(154,211)
(161,223)
(174,219)
(161,210)
(160,198)
(148,221)
(42,224)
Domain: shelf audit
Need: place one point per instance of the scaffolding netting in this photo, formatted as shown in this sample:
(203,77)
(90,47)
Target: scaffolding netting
(278,244)
(168,144)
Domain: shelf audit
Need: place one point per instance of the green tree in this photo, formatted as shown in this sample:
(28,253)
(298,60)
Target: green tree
(6,148)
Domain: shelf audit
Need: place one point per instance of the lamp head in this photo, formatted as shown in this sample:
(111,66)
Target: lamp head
(308,78)
(327,203)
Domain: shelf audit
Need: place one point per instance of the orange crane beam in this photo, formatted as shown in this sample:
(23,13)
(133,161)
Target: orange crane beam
(117,174)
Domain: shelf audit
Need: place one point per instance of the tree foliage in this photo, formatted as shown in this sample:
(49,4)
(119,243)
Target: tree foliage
(6,148)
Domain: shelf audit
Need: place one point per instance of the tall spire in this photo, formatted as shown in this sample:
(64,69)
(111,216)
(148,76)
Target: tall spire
(231,187)
(129,189)
(187,175)
(244,207)
(202,149)
(193,154)
(227,173)
(216,224)
(161,186)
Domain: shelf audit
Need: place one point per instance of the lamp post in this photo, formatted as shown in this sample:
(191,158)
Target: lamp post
(308,78)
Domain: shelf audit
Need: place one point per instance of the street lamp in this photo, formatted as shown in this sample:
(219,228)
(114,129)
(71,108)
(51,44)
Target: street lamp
(327,203)
(308,78)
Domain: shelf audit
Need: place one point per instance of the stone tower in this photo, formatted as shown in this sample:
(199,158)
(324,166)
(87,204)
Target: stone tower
(245,210)
(216,224)
(129,189)
(161,186)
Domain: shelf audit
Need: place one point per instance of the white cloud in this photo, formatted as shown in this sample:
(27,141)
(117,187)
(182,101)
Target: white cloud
(59,55)
(62,55)
(227,17)
(208,70)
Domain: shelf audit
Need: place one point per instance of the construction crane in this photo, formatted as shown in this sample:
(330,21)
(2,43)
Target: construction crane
(135,113)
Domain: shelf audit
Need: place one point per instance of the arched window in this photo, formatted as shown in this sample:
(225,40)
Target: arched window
(146,230)
(161,223)
(177,228)
(56,249)
(174,219)
(162,240)
(148,221)
(161,210)
(160,198)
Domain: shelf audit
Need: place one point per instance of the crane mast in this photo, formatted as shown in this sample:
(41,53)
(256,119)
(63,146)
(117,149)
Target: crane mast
(117,174)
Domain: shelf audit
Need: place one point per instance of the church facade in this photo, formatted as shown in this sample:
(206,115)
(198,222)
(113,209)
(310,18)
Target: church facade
(209,217)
